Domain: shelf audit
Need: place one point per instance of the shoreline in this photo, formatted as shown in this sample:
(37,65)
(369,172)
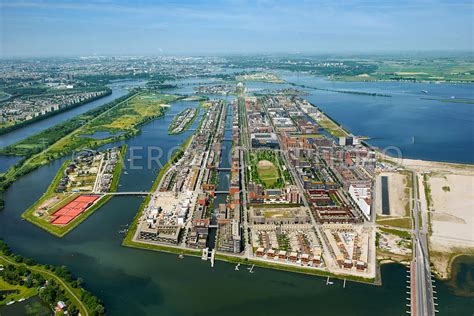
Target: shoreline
(103,199)
(410,163)
(20,125)
(173,250)
(420,162)
(442,256)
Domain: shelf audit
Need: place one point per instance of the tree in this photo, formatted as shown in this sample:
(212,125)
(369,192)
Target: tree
(73,310)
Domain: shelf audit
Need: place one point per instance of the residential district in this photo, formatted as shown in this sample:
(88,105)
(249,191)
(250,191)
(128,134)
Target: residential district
(16,110)
(261,180)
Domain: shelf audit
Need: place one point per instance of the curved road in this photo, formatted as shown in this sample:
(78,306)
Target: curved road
(55,277)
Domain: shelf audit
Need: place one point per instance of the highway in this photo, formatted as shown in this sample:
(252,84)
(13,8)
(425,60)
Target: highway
(422,288)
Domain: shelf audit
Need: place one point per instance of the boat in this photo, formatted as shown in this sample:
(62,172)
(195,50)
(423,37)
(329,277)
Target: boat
(237,267)
(181,256)
(125,172)
(21,299)
(424,91)
(251,269)
(329,282)
(11,302)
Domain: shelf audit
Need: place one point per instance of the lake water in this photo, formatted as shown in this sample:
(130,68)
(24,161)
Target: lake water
(140,282)
(118,89)
(420,128)
(32,306)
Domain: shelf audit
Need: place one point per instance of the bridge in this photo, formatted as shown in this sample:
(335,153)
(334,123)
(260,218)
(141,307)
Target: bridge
(421,285)
(221,192)
(139,193)
(223,169)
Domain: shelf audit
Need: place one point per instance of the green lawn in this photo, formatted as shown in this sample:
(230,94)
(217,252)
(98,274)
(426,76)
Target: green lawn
(267,172)
(20,292)
(266,168)
(402,222)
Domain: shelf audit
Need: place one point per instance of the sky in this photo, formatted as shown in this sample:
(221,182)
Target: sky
(116,27)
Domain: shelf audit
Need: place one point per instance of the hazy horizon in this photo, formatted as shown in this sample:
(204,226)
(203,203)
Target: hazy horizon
(85,28)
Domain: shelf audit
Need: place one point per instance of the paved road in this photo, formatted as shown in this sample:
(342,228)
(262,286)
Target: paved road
(423,303)
(242,152)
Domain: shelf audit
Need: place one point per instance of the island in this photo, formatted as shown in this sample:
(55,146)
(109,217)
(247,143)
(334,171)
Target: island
(81,186)
(183,120)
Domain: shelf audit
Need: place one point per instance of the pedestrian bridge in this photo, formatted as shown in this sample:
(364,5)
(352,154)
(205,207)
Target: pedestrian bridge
(129,193)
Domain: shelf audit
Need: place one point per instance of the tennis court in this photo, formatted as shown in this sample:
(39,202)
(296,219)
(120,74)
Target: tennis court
(73,209)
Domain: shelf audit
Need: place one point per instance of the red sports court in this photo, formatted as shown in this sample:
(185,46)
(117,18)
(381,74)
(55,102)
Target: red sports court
(73,209)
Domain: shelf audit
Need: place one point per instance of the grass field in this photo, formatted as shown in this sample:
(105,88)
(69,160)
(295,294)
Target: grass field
(19,292)
(267,172)
(400,222)
(331,127)
(266,168)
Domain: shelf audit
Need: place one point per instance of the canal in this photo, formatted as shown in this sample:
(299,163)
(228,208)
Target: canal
(223,177)
(140,282)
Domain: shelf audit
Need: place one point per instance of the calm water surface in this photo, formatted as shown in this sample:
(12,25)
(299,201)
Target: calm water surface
(132,281)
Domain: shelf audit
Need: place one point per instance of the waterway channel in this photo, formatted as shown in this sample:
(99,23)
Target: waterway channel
(139,282)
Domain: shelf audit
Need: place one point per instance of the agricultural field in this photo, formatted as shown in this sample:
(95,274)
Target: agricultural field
(455,69)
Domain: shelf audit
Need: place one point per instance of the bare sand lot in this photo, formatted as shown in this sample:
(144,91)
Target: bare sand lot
(451,204)
(397,193)
(450,201)
(452,216)
(430,166)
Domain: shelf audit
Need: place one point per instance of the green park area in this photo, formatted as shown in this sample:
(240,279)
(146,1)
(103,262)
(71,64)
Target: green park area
(121,118)
(267,168)
(331,127)
(22,278)
(14,292)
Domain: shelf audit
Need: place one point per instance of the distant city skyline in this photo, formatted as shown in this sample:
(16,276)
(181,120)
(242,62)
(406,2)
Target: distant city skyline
(72,28)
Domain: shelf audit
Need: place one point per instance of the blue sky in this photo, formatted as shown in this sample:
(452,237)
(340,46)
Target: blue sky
(232,26)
